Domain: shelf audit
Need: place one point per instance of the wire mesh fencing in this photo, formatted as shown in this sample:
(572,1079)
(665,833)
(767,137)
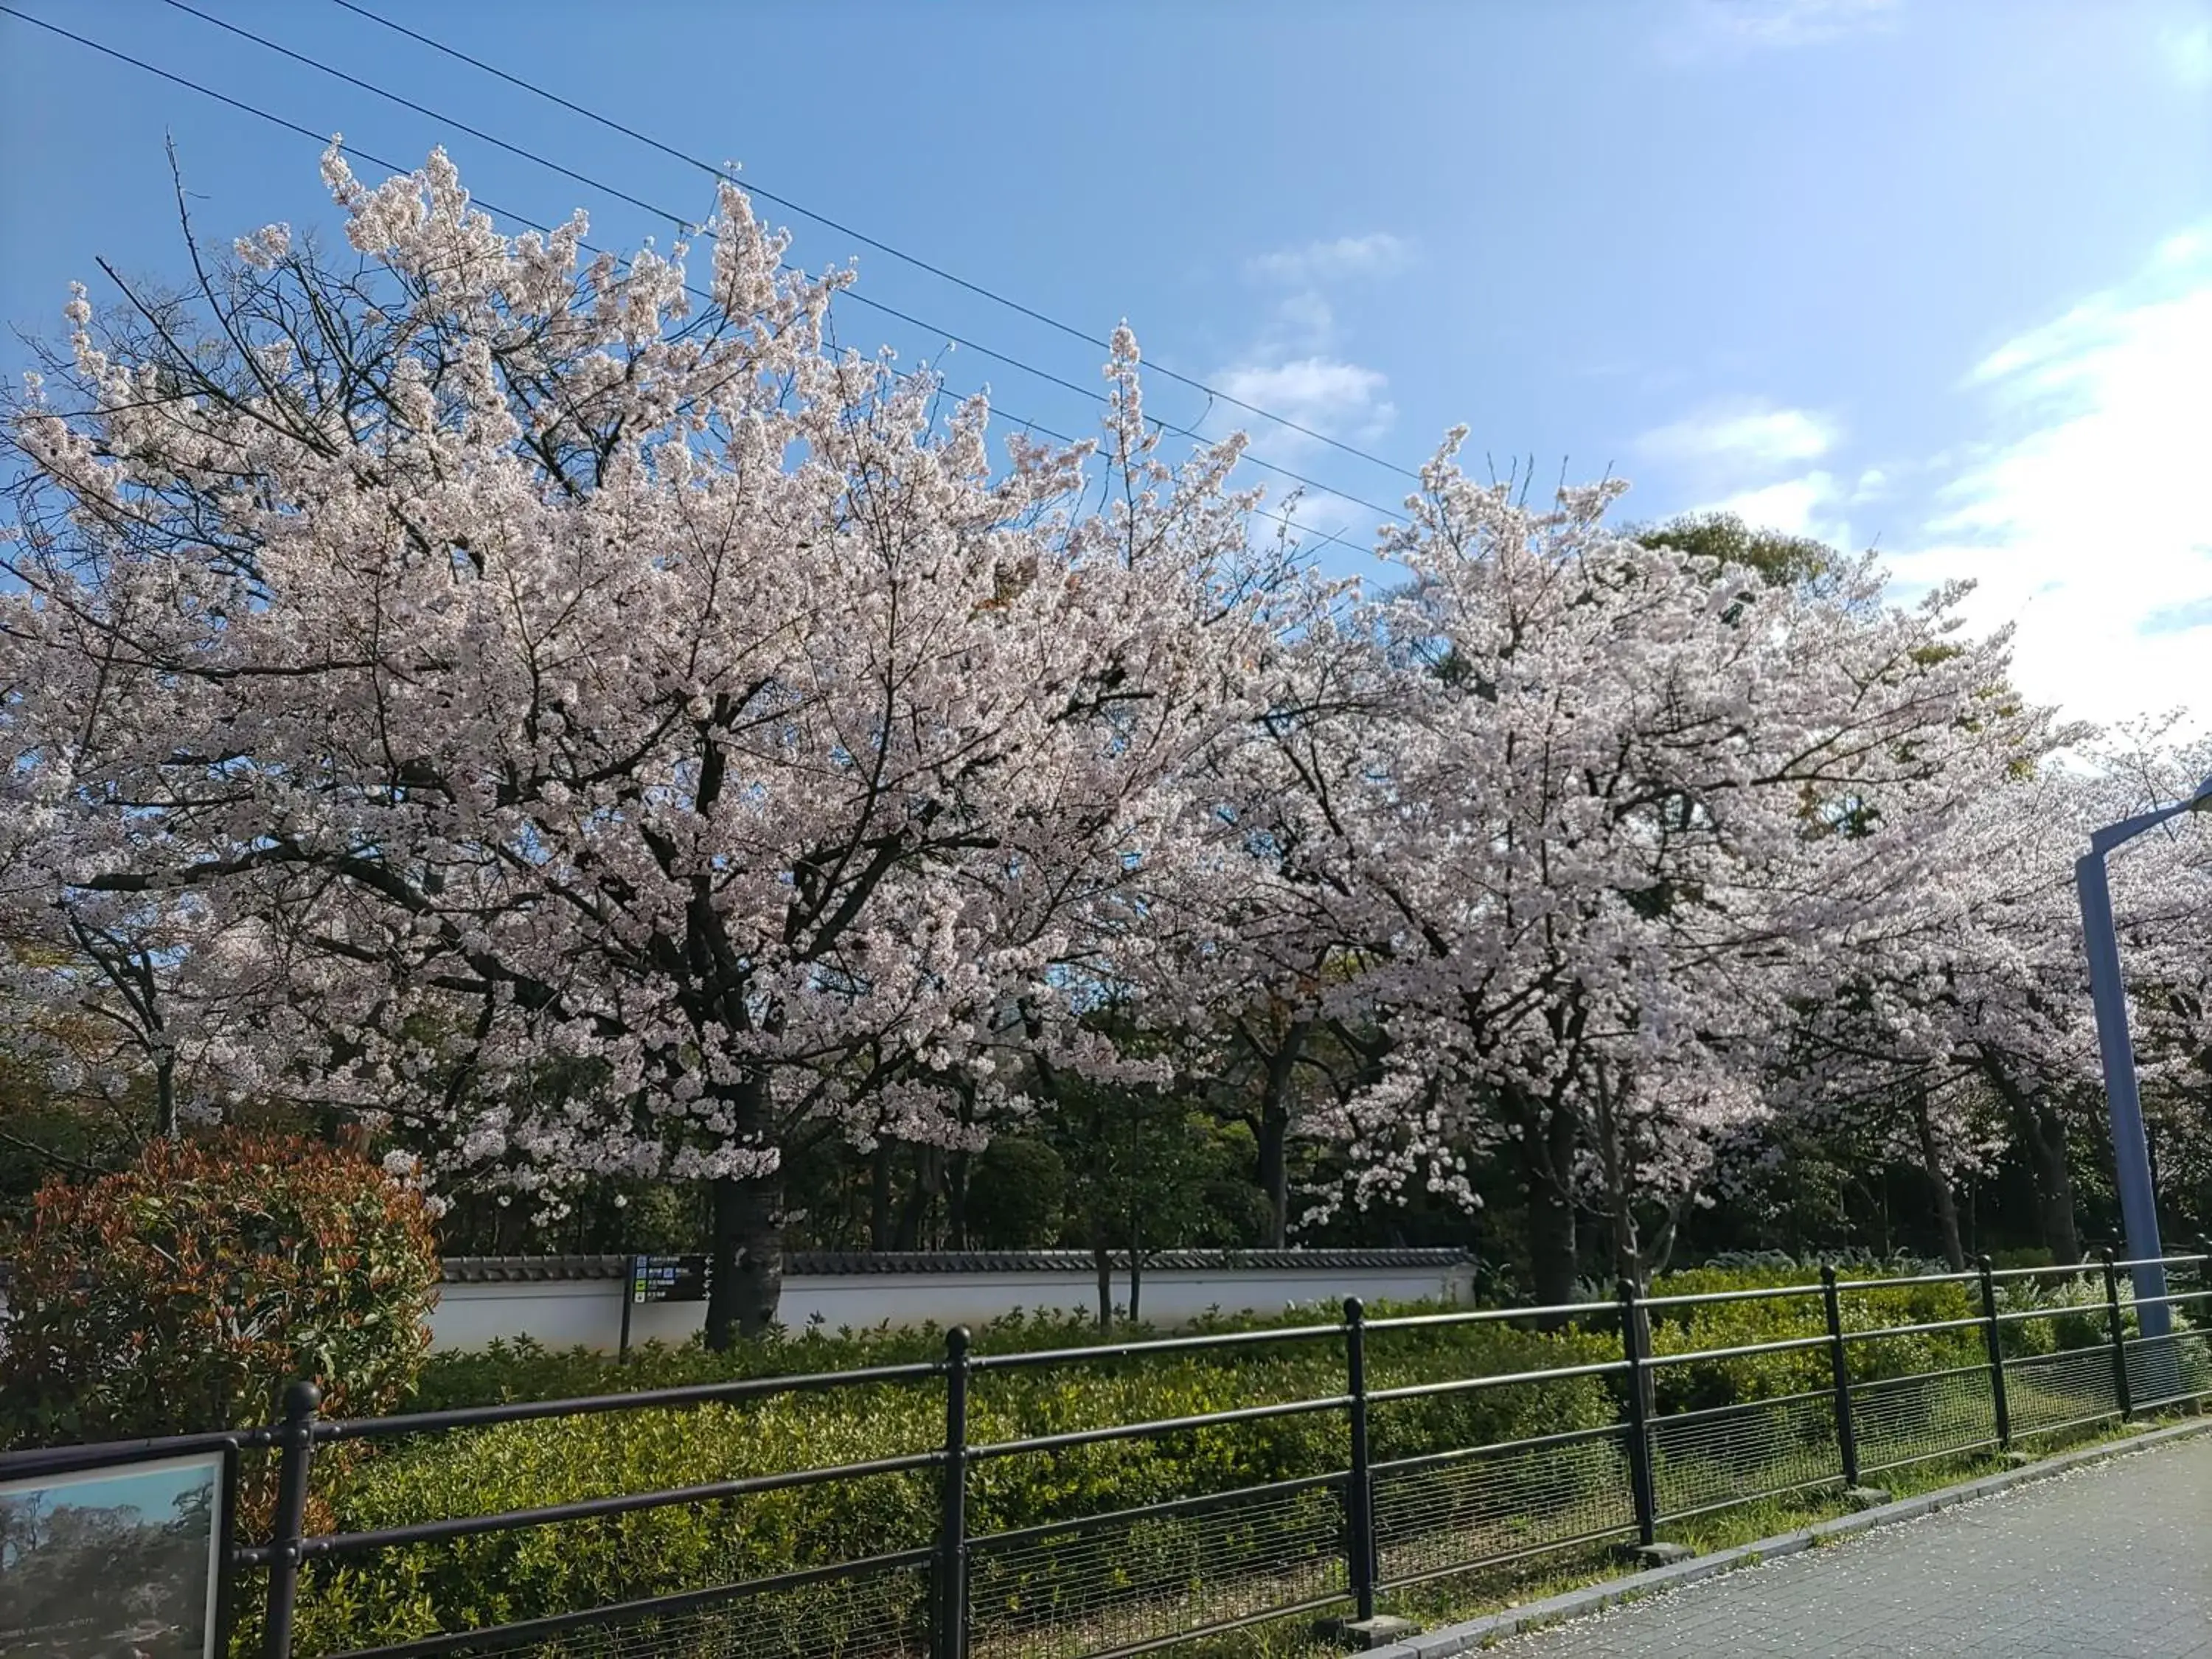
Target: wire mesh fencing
(2053,1391)
(863,1611)
(1903,1420)
(1454,1510)
(1727,1455)
(1113,1535)
(1132,1581)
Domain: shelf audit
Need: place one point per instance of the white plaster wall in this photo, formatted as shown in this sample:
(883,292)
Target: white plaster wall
(564,1313)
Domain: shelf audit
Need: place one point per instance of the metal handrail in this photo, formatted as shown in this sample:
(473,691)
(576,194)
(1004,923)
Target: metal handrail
(1007,1362)
(2168,1300)
(1160,1425)
(1909,1279)
(1499,1380)
(28,1461)
(1205,1504)
(2020,1315)
(2055,1267)
(1763,1293)
(1486,1315)
(1495,1449)
(1636,1434)
(2161,1261)
(588,1509)
(696,1394)
(1744,1352)
(1704,1412)
(1928,1328)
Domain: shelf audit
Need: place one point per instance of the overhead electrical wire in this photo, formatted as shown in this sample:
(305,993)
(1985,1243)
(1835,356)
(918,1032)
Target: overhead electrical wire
(980,290)
(497,211)
(683,223)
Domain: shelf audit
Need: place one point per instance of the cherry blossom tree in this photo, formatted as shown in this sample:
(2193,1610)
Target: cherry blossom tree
(1634,800)
(592,730)
(1985,1002)
(586,725)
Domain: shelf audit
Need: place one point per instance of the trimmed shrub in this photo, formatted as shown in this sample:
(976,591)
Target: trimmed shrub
(517,1575)
(405,1592)
(176,1295)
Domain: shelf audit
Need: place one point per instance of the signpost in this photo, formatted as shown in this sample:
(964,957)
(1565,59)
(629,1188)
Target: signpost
(661,1279)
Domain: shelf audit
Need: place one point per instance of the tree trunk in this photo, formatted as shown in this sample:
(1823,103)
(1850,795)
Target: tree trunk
(1136,1263)
(1275,1132)
(2054,1185)
(1548,1140)
(746,1280)
(748,1259)
(916,1210)
(1628,1266)
(1947,1205)
(2040,1129)
(879,1197)
(956,1202)
(1102,1260)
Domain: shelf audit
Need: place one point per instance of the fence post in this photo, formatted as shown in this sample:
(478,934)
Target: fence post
(1359,1502)
(1839,1368)
(1993,1332)
(296,1437)
(2117,1326)
(950,1636)
(1640,1482)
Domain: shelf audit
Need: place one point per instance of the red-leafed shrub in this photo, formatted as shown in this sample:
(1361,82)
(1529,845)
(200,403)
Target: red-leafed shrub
(180,1294)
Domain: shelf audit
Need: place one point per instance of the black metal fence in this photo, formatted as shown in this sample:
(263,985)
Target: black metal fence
(2049,1350)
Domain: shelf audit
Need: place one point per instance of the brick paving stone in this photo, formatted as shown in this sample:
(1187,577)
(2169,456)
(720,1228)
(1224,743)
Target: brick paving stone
(2112,1560)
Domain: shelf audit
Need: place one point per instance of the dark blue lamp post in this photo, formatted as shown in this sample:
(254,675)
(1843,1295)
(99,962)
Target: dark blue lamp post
(2130,1151)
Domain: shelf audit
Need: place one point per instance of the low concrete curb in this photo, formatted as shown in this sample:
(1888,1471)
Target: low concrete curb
(1478,1633)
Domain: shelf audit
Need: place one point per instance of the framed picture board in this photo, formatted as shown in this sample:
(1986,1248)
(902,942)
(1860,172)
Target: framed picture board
(116,1559)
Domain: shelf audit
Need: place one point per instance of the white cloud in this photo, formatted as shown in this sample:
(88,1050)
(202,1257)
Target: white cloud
(1329,525)
(1751,457)
(1341,399)
(1294,368)
(1738,436)
(1796,507)
(1733,29)
(2080,516)
(1378,253)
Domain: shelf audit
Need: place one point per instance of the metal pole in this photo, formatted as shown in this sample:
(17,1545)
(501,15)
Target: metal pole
(1993,1335)
(630,1294)
(1641,1485)
(1839,1369)
(2118,1329)
(951,1635)
(1360,1501)
(951,1632)
(2131,1150)
(297,1437)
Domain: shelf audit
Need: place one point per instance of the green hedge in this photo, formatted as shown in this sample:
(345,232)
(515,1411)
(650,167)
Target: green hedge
(514,1575)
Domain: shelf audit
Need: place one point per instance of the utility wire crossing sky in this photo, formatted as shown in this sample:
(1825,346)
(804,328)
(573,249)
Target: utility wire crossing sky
(1936,279)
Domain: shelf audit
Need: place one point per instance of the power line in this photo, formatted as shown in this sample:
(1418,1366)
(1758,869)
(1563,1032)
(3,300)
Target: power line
(682,223)
(497,212)
(919,264)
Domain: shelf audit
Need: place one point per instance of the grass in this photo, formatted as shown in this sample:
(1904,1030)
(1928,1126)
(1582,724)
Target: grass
(1485,1590)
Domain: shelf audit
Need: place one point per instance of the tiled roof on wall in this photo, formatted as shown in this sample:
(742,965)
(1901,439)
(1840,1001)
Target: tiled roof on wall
(527,1269)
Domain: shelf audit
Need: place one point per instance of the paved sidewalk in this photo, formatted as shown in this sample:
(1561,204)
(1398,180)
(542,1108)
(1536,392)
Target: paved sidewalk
(2110,1559)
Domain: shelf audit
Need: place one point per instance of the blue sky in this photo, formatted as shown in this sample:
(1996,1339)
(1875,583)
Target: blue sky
(1930,275)
(152,1489)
